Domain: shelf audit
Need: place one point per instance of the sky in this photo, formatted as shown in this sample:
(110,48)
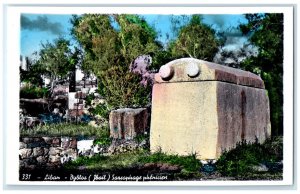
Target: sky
(38,28)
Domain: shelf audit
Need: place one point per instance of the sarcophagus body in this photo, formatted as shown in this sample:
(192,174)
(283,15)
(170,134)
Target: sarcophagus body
(204,108)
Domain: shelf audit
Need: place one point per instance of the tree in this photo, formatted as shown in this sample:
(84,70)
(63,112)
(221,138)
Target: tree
(110,40)
(33,73)
(266,33)
(56,60)
(195,40)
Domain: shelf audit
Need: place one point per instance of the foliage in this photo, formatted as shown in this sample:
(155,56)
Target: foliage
(266,33)
(160,58)
(56,59)
(103,141)
(133,159)
(195,40)
(101,109)
(189,163)
(100,162)
(97,106)
(33,74)
(33,92)
(66,129)
(110,40)
(239,161)
(123,89)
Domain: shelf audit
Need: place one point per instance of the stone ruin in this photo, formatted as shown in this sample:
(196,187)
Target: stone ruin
(127,123)
(204,108)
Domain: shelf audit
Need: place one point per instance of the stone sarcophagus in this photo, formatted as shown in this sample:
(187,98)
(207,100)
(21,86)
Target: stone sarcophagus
(204,108)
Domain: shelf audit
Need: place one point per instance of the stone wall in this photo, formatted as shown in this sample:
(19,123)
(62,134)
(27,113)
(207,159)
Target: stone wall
(46,152)
(49,153)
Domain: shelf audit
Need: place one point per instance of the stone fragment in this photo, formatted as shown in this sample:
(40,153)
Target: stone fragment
(25,153)
(165,167)
(65,142)
(27,140)
(53,151)
(38,151)
(73,143)
(54,158)
(260,168)
(41,159)
(68,142)
(127,123)
(38,139)
(48,140)
(46,151)
(55,142)
(22,145)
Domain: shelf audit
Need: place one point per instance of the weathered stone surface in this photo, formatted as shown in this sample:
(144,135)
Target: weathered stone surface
(55,142)
(204,114)
(55,151)
(73,143)
(68,142)
(38,139)
(243,114)
(135,122)
(260,168)
(25,153)
(116,123)
(65,142)
(54,158)
(22,145)
(41,159)
(36,144)
(27,140)
(46,151)
(127,123)
(38,151)
(48,140)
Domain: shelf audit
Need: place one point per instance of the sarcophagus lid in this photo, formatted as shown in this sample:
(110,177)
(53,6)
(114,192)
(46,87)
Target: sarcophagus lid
(191,70)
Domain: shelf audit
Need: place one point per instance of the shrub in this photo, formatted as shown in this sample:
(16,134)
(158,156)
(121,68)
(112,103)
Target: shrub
(240,161)
(32,92)
(102,110)
(123,89)
(188,163)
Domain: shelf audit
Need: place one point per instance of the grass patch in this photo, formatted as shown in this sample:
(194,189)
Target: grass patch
(134,159)
(189,163)
(113,162)
(66,129)
(240,161)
